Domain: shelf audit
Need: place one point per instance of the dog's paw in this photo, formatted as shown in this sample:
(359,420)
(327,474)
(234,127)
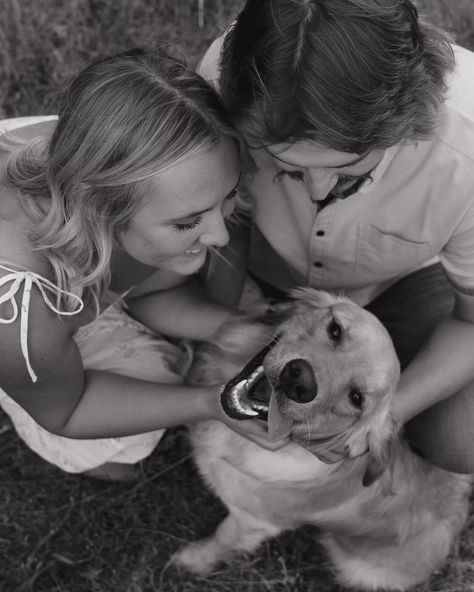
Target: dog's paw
(200,557)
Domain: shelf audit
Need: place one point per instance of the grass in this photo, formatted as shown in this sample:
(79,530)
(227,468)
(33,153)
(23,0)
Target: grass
(44,42)
(65,533)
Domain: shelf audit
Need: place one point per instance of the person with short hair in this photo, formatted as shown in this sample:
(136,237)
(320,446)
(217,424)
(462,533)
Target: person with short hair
(106,214)
(359,116)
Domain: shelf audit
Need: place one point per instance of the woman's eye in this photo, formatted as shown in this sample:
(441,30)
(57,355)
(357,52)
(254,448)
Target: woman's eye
(334,331)
(187,225)
(356,398)
(294,175)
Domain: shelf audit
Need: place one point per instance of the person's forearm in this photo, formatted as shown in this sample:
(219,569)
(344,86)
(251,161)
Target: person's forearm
(113,405)
(185,311)
(443,366)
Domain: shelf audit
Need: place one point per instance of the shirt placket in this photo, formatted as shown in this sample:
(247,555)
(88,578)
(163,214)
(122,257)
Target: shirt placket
(319,247)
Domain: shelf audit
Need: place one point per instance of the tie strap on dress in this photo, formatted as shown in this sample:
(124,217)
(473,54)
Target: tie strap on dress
(28,279)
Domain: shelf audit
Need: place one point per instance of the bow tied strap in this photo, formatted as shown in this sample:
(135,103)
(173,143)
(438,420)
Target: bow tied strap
(28,279)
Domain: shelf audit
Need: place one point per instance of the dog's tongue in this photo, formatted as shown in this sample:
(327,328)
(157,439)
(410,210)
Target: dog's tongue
(279,426)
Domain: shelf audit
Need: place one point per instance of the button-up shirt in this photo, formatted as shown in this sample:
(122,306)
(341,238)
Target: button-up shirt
(418,208)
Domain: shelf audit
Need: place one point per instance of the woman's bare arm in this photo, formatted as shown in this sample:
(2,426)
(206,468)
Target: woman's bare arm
(76,403)
(184,311)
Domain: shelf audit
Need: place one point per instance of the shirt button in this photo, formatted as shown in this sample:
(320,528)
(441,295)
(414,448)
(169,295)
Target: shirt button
(320,233)
(317,264)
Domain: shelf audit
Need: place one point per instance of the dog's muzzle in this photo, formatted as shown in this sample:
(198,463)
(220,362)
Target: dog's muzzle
(246,395)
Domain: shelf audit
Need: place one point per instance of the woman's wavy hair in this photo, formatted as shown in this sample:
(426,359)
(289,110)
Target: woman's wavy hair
(351,75)
(121,120)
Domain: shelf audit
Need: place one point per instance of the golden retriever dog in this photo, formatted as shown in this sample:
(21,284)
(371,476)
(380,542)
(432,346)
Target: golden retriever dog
(388,518)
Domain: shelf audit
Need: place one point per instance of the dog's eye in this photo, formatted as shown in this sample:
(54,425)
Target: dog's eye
(334,330)
(356,398)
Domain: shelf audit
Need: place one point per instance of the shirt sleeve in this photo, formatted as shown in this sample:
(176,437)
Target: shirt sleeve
(457,259)
(208,67)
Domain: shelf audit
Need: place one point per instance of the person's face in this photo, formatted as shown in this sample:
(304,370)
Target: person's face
(183,211)
(323,172)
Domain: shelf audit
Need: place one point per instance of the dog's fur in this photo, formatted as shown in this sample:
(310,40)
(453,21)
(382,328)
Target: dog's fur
(388,517)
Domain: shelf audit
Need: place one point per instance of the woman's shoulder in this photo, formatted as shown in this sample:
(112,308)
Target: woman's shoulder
(27,128)
(19,261)
(15,227)
(33,328)
(31,334)
(15,137)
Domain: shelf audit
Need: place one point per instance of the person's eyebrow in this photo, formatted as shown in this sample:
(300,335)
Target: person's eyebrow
(200,212)
(339,166)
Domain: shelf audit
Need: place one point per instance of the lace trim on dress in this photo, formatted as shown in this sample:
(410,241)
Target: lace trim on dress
(28,279)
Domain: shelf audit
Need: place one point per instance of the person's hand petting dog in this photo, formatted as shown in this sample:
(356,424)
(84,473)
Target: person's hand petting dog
(274,433)
(240,409)
(253,428)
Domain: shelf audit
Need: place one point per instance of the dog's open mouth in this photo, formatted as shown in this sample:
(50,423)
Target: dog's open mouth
(250,395)
(260,391)
(247,395)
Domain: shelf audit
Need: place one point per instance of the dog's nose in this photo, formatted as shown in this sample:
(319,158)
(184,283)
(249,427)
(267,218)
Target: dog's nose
(297,381)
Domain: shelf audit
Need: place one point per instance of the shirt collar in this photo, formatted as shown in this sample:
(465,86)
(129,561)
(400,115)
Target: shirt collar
(379,170)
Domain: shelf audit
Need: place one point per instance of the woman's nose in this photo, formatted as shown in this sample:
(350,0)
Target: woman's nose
(215,234)
(320,183)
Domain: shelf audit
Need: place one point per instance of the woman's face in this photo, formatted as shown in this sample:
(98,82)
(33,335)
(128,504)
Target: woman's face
(183,211)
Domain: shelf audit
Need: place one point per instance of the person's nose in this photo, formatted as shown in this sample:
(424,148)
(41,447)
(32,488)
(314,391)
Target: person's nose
(215,232)
(320,183)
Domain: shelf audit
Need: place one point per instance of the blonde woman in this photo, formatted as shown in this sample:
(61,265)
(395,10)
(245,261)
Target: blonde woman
(105,214)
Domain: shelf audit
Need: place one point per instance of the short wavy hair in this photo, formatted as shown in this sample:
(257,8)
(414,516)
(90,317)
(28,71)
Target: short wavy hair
(351,75)
(121,120)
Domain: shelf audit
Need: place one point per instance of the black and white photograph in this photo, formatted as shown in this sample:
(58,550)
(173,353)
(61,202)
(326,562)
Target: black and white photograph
(237,295)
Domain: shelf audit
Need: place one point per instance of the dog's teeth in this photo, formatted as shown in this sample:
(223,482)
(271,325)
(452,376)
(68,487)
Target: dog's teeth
(241,407)
(259,406)
(256,374)
(246,411)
